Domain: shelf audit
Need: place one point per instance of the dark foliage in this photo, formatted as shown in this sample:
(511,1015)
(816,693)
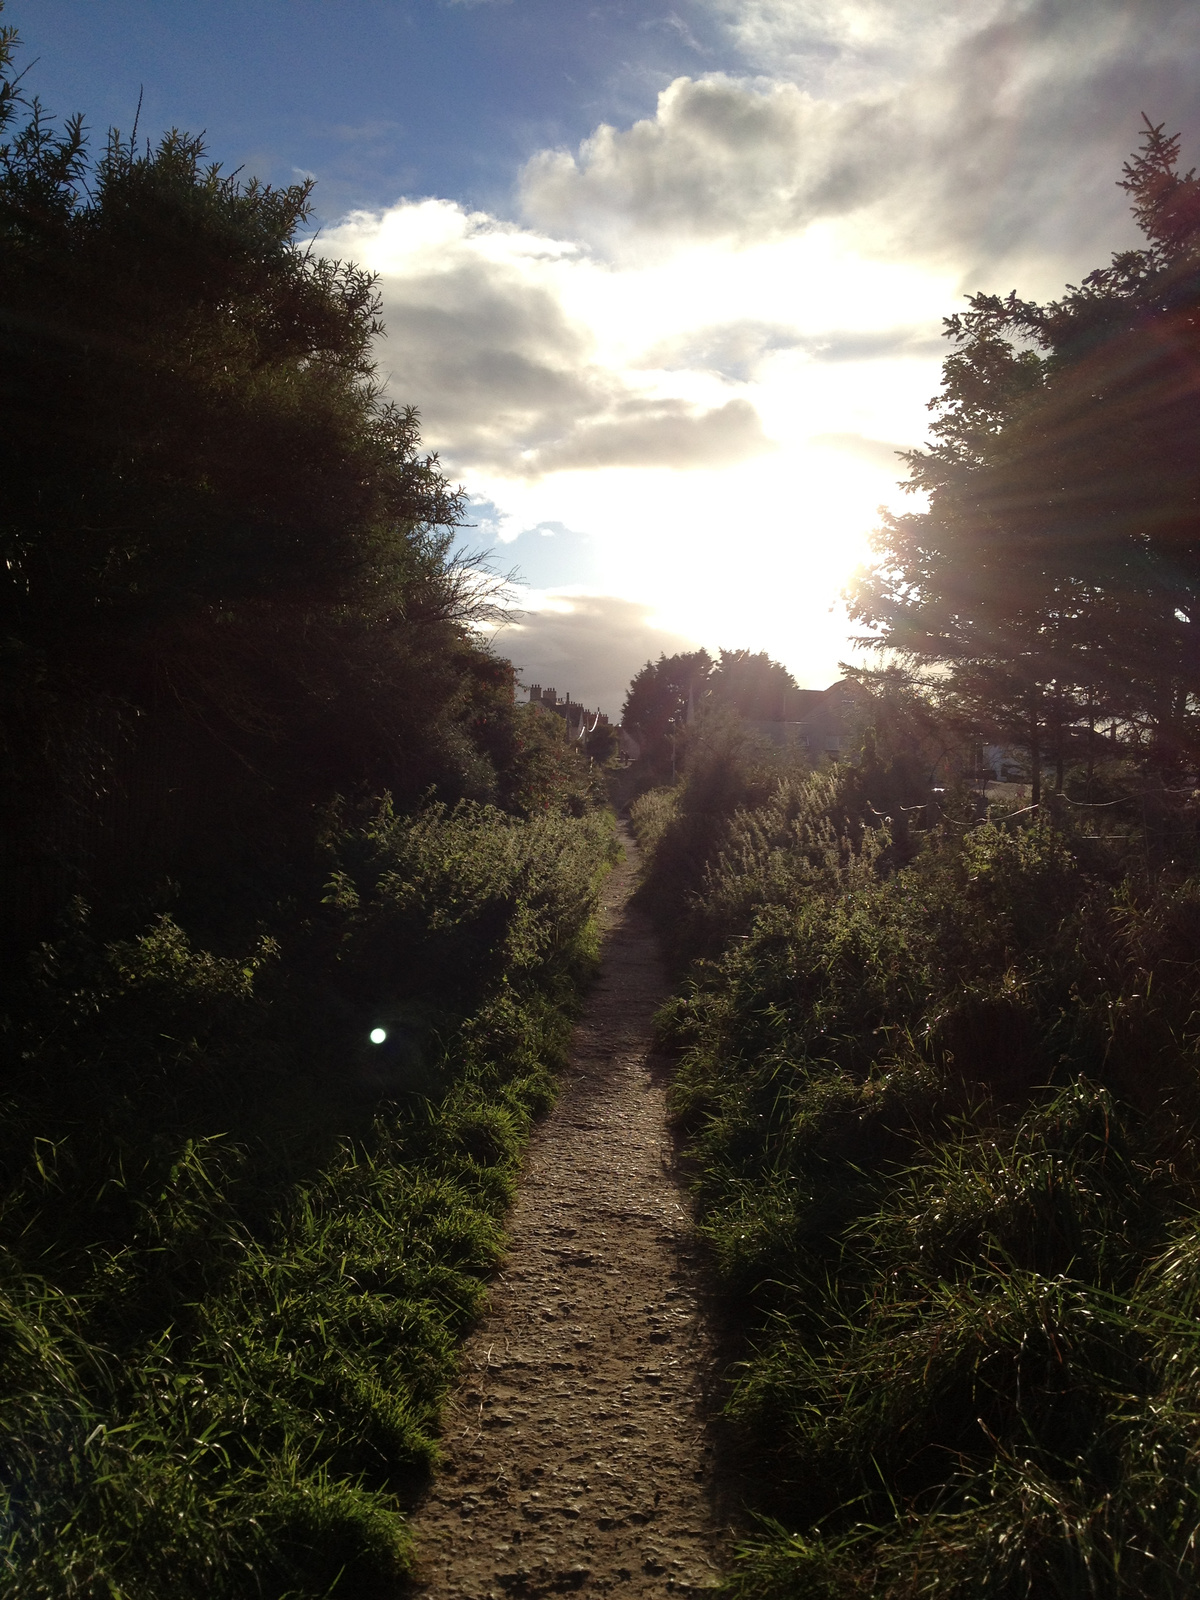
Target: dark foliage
(1058,567)
(298,898)
(659,702)
(941,1102)
(229,589)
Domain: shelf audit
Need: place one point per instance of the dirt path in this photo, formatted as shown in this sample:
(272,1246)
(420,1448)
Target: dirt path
(575,1451)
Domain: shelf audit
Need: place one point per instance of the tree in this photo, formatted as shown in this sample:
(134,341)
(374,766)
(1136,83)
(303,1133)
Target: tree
(227,576)
(1059,558)
(660,700)
(753,685)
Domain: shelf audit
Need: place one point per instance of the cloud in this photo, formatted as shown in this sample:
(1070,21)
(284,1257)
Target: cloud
(877,451)
(731,349)
(979,134)
(673,23)
(507,379)
(737,350)
(491,357)
(850,46)
(877,344)
(657,433)
(379,130)
(590,645)
(686,374)
(720,160)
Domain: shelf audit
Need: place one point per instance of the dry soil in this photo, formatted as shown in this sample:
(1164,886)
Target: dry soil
(576,1454)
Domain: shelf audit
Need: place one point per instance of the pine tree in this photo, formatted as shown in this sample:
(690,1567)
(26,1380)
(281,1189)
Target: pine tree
(1060,552)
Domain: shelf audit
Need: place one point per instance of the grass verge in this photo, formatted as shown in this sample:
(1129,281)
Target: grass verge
(942,1115)
(242,1235)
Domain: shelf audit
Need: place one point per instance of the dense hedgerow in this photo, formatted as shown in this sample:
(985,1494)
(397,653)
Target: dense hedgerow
(240,1238)
(941,1116)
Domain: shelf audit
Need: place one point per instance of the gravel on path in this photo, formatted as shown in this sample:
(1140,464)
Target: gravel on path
(576,1457)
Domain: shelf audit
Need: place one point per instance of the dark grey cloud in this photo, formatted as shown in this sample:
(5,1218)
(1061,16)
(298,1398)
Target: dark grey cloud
(722,159)
(490,357)
(1040,108)
(593,650)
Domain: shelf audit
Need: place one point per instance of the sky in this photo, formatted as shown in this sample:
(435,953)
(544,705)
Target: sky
(666,281)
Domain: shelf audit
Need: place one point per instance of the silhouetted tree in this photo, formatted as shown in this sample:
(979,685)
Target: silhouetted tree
(221,547)
(1060,555)
(660,699)
(753,685)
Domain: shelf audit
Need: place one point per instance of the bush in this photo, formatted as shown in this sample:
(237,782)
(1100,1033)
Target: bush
(240,1238)
(939,1103)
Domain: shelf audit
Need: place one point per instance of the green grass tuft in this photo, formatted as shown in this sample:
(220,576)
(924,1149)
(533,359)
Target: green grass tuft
(940,1109)
(240,1240)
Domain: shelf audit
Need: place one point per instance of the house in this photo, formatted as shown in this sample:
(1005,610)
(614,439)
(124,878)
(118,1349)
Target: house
(579,720)
(1003,762)
(817,721)
(824,717)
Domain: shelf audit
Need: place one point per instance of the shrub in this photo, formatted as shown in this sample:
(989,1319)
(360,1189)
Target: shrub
(240,1239)
(939,1104)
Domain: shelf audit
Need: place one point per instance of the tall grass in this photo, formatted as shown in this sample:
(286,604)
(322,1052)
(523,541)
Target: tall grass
(941,1103)
(240,1238)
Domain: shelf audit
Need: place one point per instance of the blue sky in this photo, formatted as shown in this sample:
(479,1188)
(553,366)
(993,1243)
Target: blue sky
(665,280)
(377,97)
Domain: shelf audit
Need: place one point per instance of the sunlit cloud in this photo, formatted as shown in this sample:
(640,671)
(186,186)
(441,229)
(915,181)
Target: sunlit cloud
(725,469)
(693,360)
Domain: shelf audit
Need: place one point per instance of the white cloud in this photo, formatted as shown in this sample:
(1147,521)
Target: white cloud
(717,468)
(851,46)
(975,135)
(699,355)
(489,336)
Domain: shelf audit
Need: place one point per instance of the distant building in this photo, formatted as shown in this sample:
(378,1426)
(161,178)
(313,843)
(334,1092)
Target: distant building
(817,721)
(1006,763)
(825,716)
(579,720)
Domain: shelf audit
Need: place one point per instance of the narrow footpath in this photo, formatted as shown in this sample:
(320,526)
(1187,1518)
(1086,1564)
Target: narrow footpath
(576,1457)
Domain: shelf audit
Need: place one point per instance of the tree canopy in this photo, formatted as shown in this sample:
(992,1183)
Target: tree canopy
(667,694)
(753,685)
(1058,563)
(223,548)
(659,697)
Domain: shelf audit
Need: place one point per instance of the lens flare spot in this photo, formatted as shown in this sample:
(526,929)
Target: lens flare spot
(378,1035)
